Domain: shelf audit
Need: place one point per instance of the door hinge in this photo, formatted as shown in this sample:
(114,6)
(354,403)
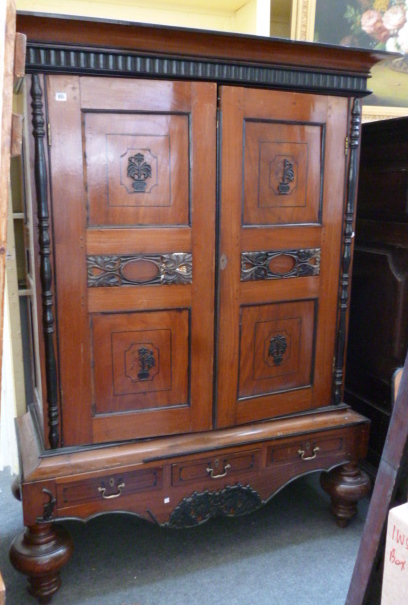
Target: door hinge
(49,134)
(346,146)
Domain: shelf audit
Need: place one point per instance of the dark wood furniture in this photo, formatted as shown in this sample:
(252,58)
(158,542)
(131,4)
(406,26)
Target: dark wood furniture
(378,339)
(195,198)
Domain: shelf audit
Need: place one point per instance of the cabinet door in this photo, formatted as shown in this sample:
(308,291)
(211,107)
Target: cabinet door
(282,197)
(133,202)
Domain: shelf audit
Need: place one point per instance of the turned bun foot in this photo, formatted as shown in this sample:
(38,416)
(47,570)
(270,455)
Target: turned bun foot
(345,485)
(39,553)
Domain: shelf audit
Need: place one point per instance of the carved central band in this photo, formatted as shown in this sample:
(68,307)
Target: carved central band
(280,264)
(139,269)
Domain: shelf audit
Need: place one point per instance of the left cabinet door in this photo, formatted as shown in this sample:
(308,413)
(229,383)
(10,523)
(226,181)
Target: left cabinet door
(133,182)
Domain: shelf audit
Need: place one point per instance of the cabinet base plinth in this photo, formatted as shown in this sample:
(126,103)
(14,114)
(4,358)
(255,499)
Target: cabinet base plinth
(345,485)
(180,481)
(39,553)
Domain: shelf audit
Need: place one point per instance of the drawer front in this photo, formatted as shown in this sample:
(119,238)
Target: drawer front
(216,466)
(109,487)
(308,448)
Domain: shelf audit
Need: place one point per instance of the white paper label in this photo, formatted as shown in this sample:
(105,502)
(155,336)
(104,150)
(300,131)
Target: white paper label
(60,96)
(395,579)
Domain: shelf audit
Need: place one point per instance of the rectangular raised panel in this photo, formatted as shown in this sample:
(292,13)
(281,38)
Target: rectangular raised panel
(141,360)
(276,347)
(282,173)
(137,169)
(109,487)
(215,465)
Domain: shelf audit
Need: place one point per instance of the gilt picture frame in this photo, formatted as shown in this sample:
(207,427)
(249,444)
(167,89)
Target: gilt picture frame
(303,20)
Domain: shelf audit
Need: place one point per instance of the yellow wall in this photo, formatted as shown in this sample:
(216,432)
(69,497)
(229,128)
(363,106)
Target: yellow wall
(281,16)
(253,18)
(245,16)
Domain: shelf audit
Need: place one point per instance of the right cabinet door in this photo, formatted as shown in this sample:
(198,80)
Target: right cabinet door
(282,181)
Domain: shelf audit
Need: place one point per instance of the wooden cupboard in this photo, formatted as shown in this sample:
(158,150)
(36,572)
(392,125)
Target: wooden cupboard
(196,197)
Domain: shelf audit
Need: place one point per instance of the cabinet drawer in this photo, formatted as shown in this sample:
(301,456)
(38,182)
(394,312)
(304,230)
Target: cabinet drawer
(109,487)
(216,466)
(310,447)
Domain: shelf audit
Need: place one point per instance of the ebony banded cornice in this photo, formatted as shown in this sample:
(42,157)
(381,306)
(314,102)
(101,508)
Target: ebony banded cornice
(63,45)
(47,58)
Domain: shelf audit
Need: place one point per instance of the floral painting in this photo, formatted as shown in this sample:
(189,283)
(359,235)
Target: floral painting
(383,23)
(376,24)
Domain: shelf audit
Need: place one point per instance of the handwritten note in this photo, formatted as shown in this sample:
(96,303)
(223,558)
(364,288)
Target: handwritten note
(395,580)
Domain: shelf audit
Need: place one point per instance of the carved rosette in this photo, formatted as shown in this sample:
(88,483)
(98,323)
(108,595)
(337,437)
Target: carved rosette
(200,507)
(109,270)
(299,263)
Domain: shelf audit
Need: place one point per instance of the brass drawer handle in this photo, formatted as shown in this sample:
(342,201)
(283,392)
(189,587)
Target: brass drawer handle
(303,457)
(211,472)
(102,490)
